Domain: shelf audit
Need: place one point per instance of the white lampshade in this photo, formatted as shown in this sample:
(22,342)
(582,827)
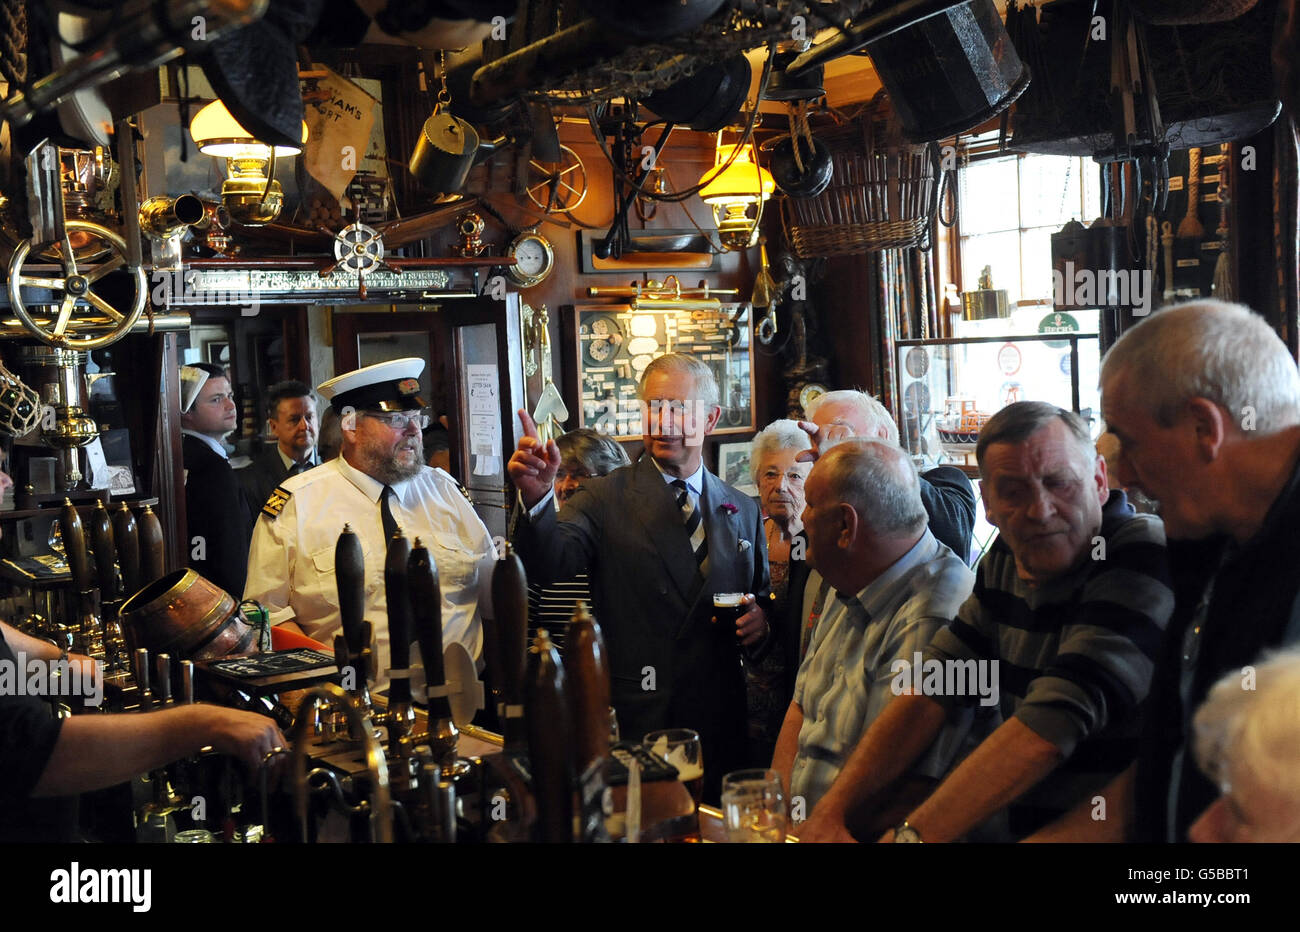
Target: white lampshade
(219,134)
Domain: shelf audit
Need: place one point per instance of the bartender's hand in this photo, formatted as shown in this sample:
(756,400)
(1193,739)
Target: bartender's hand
(825,825)
(533,465)
(752,626)
(245,735)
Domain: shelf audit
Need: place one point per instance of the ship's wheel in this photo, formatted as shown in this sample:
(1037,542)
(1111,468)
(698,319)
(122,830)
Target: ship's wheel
(81,319)
(358,248)
(557,186)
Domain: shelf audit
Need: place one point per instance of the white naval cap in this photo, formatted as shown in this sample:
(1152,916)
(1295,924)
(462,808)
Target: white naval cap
(387,386)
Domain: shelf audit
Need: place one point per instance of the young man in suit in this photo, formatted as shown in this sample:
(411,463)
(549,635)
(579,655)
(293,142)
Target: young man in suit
(658,539)
(291,420)
(216,520)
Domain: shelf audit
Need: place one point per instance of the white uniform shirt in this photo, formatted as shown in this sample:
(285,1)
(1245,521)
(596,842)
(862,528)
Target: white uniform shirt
(291,562)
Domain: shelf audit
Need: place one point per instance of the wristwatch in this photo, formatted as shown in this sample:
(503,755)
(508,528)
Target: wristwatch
(906,834)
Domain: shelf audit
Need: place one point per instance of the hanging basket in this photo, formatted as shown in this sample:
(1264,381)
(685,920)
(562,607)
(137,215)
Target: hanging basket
(882,195)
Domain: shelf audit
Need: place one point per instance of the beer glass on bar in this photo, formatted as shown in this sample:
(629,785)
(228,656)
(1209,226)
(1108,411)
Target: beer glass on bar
(753,806)
(681,748)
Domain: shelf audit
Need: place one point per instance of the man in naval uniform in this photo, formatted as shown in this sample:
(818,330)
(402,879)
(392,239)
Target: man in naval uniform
(379,482)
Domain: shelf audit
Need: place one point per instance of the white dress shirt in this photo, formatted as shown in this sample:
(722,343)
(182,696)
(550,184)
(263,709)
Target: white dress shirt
(291,562)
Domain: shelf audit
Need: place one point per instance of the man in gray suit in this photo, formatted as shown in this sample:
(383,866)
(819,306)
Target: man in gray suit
(659,538)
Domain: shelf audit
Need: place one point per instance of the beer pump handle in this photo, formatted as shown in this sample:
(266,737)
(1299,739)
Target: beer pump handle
(163,669)
(101,538)
(398,600)
(126,536)
(350,573)
(510,606)
(550,742)
(426,613)
(142,677)
(186,694)
(153,560)
(586,668)
(74,545)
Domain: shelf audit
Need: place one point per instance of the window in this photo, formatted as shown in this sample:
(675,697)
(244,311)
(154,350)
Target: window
(1009,207)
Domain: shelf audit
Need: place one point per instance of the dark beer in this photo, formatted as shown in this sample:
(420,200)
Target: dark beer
(727,608)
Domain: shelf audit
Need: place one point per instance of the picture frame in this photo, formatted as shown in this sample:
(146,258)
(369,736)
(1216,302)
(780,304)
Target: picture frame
(734,466)
(608,347)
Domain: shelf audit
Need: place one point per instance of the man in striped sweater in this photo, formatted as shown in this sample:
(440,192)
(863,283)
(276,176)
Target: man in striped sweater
(1066,616)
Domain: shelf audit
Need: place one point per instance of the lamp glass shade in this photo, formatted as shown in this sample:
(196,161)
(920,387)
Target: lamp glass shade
(743,179)
(219,134)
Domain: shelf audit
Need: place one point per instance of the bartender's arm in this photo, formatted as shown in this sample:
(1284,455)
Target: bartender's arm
(95,751)
(43,650)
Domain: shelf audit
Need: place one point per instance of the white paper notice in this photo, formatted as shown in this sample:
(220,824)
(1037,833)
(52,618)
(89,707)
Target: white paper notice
(484,419)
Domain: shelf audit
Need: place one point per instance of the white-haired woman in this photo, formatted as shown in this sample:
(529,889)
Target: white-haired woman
(779,477)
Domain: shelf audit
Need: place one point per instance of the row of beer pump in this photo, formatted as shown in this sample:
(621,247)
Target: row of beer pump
(547,784)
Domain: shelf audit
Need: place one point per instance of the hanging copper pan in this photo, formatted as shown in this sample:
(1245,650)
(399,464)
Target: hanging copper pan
(187,616)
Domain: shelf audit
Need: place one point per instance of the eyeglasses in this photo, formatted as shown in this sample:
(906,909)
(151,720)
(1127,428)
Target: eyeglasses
(400,420)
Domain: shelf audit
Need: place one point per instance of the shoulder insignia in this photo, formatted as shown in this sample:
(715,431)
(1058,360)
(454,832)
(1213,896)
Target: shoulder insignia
(275,504)
(464,491)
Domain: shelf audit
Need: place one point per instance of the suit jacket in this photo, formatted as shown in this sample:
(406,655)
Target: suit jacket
(260,478)
(670,667)
(215,511)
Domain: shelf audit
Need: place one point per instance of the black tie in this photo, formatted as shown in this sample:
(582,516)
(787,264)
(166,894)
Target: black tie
(299,467)
(386,513)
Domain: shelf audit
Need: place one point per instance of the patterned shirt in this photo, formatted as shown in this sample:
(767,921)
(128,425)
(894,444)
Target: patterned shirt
(1075,654)
(848,675)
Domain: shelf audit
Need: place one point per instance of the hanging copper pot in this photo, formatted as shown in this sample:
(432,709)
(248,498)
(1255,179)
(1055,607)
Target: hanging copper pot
(187,616)
(951,71)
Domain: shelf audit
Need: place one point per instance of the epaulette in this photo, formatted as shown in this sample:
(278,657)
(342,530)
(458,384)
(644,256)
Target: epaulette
(464,491)
(275,504)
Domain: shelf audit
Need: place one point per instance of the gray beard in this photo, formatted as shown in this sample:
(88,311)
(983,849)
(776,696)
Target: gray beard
(389,473)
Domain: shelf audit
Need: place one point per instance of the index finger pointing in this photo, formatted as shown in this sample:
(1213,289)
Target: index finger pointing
(526,421)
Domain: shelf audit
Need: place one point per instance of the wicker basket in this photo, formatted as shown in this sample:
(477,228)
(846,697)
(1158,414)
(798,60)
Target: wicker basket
(882,195)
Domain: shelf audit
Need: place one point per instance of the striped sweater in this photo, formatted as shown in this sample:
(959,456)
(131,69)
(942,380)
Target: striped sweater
(1075,655)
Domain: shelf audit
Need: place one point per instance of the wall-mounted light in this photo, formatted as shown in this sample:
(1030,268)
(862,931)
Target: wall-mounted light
(250,192)
(736,192)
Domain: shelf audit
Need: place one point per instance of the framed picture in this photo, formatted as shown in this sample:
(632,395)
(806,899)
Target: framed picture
(733,467)
(610,345)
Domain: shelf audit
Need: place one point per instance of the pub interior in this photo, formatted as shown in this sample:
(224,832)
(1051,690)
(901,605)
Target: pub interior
(471,421)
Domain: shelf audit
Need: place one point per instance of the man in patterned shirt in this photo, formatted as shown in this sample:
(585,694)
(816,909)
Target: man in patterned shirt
(1070,604)
(895,585)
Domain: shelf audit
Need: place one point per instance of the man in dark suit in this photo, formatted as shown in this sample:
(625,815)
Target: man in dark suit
(291,421)
(218,524)
(659,539)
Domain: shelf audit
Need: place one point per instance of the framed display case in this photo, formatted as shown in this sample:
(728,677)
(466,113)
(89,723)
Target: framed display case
(948,389)
(611,345)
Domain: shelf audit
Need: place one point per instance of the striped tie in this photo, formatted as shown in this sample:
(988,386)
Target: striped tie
(687,503)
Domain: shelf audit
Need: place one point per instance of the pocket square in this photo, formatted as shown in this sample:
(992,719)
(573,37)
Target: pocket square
(743,546)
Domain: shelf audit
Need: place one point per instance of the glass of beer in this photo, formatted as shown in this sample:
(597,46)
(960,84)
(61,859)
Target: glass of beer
(681,748)
(753,806)
(728,607)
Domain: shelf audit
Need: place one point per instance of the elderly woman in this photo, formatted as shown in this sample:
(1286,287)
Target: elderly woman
(780,478)
(584,454)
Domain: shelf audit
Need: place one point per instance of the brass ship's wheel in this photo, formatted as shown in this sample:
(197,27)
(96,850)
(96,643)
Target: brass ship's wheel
(80,319)
(557,186)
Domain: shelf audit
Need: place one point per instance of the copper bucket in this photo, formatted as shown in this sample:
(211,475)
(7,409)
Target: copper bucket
(184,615)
